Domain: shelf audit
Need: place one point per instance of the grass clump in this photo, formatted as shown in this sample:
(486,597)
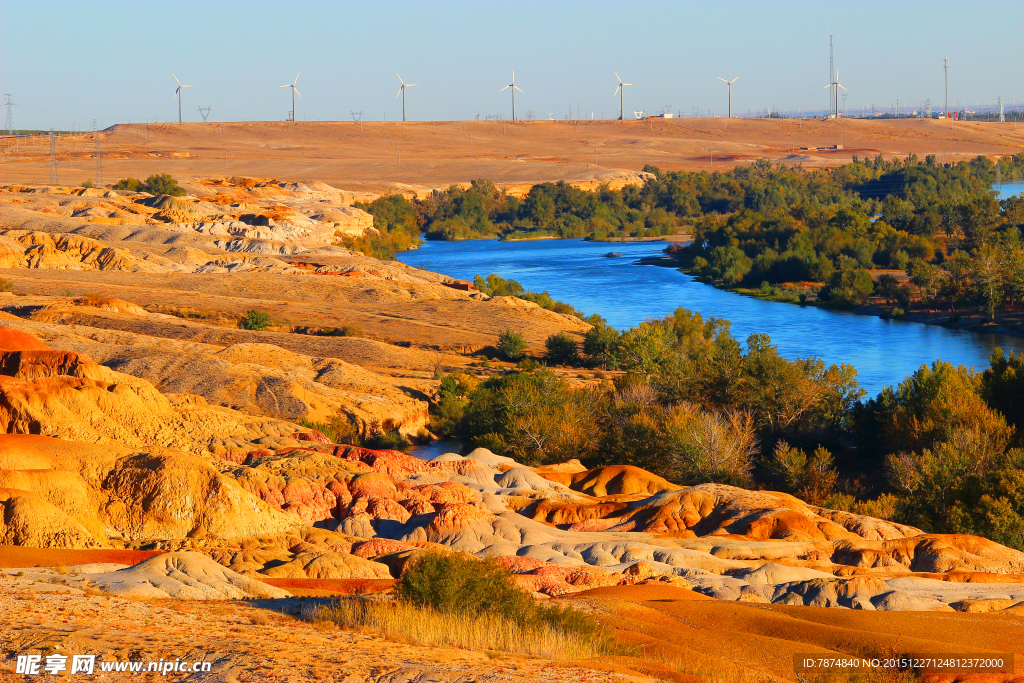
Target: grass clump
(458,601)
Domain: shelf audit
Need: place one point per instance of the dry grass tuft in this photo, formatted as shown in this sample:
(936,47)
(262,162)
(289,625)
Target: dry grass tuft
(481,632)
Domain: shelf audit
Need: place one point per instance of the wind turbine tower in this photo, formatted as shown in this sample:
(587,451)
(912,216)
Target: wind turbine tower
(833,83)
(621,92)
(401,91)
(729,83)
(514,88)
(945,68)
(177,93)
(295,91)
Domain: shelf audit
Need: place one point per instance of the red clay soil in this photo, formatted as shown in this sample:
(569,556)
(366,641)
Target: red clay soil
(12,556)
(322,587)
(13,340)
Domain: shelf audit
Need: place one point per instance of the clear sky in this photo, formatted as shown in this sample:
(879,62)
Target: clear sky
(70,62)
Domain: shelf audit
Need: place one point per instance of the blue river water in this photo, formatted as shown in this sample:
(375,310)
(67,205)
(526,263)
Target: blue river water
(626,293)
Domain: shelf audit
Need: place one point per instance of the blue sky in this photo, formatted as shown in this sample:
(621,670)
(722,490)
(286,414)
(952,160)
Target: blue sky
(75,61)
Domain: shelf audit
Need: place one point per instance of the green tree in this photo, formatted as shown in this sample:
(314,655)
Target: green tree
(561,349)
(511,345)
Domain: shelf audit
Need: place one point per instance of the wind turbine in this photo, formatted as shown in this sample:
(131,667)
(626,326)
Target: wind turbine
(401,91)
(729,83)
(514,88)
(621,92)
(177,93)
(834,104)
(295,91)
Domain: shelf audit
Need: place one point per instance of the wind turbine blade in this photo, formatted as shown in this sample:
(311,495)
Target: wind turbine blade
(505,88)
(842,87)
(284,86)
(296,79)
(617,90)
(721,79)
(517,88)
(297,91)
(617,77)
(827,86)
(400,91)
(625,84)
(400,79)
(176,91)
(410,85)
(175,79)
(186,86)
(734,80)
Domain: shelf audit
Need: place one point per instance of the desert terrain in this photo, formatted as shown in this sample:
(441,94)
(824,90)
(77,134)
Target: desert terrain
(153,468)
(416,157)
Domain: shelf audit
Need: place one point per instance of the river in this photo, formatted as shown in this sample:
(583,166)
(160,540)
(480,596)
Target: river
(625,293)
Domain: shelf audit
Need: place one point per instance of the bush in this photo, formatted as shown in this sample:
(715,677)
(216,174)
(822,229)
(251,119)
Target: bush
(130,184)
(87,184)
(462,584)
(255,320)
(379,438)
(561,349)
(511,345)
(339,429)
(459,584)
(163,183)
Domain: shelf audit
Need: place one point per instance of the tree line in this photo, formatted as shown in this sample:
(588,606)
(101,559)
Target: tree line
(941,450)
(760,206)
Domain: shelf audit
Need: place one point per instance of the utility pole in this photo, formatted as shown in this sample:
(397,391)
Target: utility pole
(99,158)
(53,158)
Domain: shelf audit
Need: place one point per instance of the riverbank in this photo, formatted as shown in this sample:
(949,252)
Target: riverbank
(968,320)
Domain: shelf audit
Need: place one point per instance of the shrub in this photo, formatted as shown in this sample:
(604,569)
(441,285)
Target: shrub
(379,438)
(255,320)
(6,285)
(87,184)
(130,184)
(511,345)
(163,183)
(462,584)
(459,584)
(561,349)
(339,429)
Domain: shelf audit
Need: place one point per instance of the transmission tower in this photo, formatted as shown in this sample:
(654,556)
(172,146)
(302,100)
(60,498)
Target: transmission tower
(357,116)
(1002,116)
(204,113)
(53,158)
(9,103)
